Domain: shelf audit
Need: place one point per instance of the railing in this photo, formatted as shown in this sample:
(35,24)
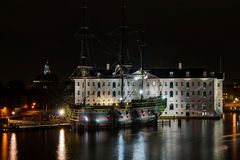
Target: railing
(73,114)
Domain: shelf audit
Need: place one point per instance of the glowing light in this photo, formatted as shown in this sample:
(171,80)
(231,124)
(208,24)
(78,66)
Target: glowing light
(13,113)
(61,112)
(141,91)
(86,118)
(5,108)
(121,98)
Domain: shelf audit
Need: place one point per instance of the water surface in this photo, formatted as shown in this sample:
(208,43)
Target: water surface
(185,140)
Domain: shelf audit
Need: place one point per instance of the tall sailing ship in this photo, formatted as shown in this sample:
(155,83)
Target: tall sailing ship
(112,97)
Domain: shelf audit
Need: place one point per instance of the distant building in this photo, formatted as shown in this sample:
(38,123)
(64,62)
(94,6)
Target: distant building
(189,92)
(46,78)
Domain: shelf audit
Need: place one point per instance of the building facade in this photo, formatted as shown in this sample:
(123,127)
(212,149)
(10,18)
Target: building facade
(189,92)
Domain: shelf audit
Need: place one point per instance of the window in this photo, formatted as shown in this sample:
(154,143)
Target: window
(93,83)
(187,106)
(165,93)
(187,95)
(204,84)
(181,105)
(88,92)
(103,84)
(204,106)
(171,107)
(78,92)
(119,93)
(118,83)
(187,85)
(176,105)
(165,83)
(199,93)
(176,93)
(210,92)
(154,83)
(204,94)
(218,84)
(171,93)
(78,83)
(99,85)
(98,94)
(176,84)
(171,74)
(108,92)
(148,84)
(114,93)
(88,83)
(93,93)
(181,83)
(171,84)
(114,85)
(128,83)
(108,83)
(103,92)
(182,93)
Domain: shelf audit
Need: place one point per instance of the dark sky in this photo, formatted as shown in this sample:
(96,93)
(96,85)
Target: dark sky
(193,32)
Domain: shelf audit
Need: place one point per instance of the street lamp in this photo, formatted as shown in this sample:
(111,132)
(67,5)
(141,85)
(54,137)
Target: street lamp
(61,112)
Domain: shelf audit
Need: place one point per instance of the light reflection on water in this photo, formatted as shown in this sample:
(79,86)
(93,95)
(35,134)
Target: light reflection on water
(13,150)
(193,139)
(139,148)
(61,150)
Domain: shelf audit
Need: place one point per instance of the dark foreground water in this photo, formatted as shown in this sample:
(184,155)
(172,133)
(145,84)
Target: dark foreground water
(188,140)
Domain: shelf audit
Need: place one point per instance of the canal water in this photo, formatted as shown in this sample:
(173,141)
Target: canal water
(182,140)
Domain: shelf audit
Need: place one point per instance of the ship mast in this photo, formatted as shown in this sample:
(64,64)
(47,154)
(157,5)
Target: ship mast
(141,46)
(84,68)
(123,48)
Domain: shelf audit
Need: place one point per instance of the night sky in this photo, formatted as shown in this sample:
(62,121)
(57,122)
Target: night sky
(195,33)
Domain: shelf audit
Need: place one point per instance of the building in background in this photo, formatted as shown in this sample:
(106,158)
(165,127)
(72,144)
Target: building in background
(189,92)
